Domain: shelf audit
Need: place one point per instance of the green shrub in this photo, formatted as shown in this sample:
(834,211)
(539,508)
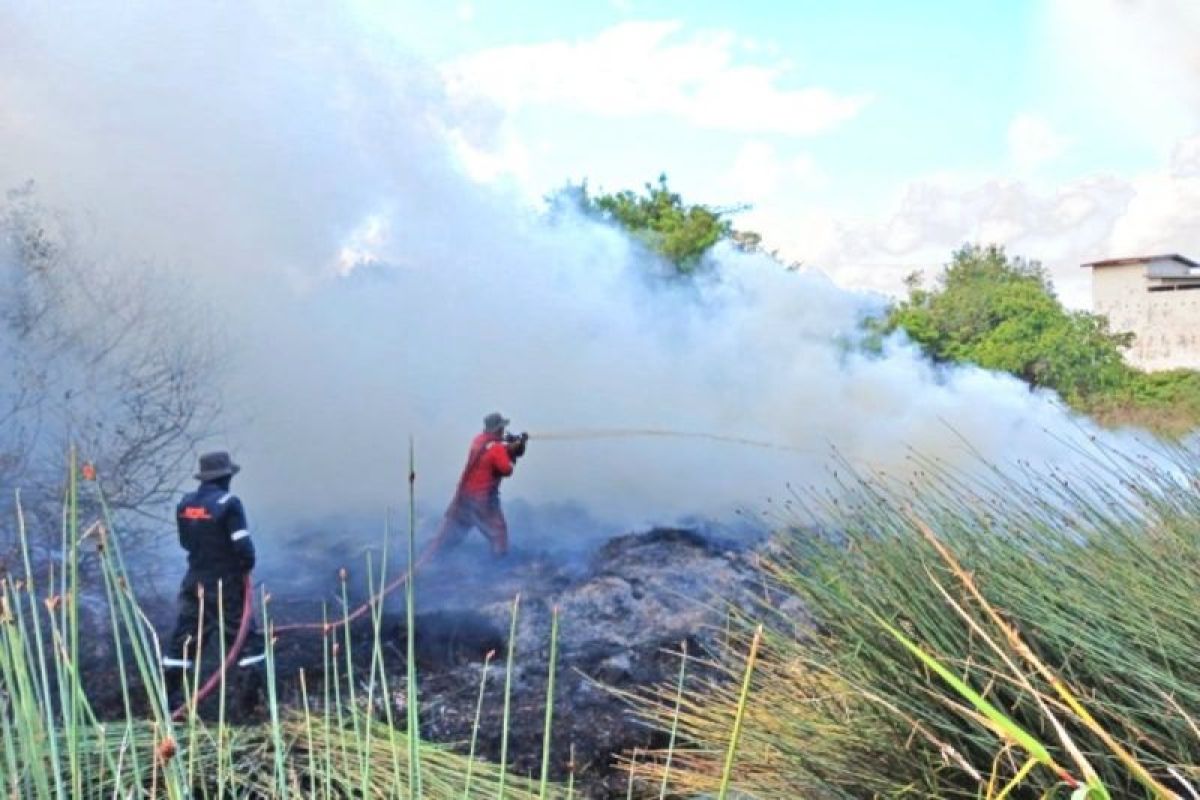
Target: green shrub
(1001,313)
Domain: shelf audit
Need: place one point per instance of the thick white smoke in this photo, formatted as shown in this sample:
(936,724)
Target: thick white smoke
(295,173)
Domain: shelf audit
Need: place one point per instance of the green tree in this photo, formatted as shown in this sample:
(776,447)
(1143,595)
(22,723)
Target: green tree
(680,233)
(1001,313)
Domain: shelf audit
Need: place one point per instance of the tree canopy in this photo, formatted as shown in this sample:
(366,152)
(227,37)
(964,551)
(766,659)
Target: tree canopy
(679,232)
(1001,313)
(985,307)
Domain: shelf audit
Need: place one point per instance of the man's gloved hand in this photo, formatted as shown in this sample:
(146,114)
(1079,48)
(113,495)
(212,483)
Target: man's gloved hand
(516,445)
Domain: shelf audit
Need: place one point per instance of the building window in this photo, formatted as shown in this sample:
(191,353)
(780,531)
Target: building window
(1173,288)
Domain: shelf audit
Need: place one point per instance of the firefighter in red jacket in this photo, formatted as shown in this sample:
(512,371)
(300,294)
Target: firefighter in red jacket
(476,503)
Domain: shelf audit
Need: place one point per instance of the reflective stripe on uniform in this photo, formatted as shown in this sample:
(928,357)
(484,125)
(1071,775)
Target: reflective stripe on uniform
(251,660)
(238,535)
(176,662)
(225,498)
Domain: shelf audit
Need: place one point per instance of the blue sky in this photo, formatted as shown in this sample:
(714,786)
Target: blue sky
(869,138)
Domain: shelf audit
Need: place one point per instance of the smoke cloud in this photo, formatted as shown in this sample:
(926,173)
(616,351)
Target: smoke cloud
(295,176)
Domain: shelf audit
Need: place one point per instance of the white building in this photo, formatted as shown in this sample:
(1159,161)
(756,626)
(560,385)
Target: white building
(1152,298)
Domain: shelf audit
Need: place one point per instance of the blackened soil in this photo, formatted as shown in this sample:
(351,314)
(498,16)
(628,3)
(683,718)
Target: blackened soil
(624,613)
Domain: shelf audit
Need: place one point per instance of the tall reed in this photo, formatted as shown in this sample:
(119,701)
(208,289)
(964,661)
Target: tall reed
(1003,632)
(54,745)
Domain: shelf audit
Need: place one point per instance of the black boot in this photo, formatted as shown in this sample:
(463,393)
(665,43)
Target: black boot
(173,677)
(248,693)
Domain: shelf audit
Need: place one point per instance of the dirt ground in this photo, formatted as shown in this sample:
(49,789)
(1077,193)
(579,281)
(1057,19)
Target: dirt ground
(624,611)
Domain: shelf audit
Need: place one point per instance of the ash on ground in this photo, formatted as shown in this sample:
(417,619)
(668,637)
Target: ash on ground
(624,613)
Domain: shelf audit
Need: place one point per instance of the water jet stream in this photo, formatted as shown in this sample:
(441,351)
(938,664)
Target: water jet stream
(633,433)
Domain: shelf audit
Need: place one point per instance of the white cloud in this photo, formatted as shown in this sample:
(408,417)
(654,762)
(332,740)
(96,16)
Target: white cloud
(363,246)
(1062,227)
(1032,141)
(759,172)
(507,158)
(1137,61)
(1164,214)
(804,169)
(1065,226)
(755,170)
(644,68)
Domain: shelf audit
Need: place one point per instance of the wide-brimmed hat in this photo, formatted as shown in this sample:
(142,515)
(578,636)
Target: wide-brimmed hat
(216,465)
(495,422)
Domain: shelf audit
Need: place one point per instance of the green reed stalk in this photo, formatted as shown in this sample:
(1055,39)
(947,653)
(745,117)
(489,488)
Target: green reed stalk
(377,662)
(222,732)
(546,727)
(190,700)
(201,761)
(508,668)
(47,704)
(571,774)
(327,642)
(70,600)
(17,662)
(147,654)
(308,733)
(349,645)
(281,784)
(8,732)
(487,660)
(683,654)
(735,734)
(632,769)
(414,719)
(118,648)
(365,744)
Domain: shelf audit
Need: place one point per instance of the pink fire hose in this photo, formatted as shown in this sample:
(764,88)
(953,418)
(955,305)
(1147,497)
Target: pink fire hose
(230,657)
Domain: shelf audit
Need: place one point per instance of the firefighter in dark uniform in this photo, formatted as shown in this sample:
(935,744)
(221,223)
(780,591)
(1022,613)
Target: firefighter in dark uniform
(214,532)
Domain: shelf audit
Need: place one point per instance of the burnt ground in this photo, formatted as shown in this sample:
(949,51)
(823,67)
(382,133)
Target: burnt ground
(624,610)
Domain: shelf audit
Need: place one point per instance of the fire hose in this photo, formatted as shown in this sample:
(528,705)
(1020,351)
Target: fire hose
(426,554)
(244,629)
(436,543)
(230,657)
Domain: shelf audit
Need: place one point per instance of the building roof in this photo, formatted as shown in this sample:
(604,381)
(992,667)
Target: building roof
(1125,262)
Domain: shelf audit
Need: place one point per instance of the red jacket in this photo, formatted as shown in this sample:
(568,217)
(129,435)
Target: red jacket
(488,463)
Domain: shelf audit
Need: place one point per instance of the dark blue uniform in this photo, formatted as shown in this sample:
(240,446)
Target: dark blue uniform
(214,532)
